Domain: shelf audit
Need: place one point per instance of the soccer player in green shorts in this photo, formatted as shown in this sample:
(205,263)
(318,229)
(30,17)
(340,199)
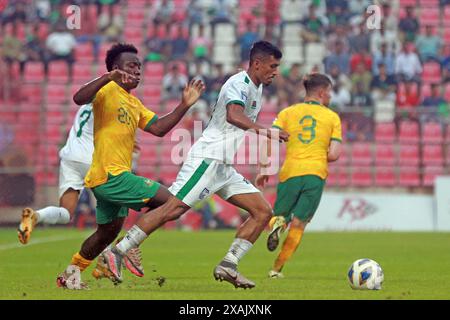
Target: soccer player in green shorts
(315,140)
(117,116)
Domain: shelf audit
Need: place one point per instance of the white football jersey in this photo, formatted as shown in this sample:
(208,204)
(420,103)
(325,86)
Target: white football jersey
(220,140)
(80,144)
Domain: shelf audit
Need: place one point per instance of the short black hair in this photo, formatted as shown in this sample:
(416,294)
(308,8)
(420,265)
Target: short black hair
(264,48)
(314,81)
(115,51)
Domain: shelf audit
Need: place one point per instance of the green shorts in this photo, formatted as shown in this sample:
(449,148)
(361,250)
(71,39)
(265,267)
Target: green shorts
(299,196)
(120,193)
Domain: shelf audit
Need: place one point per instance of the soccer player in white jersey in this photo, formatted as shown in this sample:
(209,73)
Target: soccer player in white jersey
(75,160)
(208,170)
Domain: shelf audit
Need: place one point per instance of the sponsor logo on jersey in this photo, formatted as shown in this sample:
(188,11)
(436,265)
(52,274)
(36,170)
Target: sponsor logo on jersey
(244,96)
(203,194)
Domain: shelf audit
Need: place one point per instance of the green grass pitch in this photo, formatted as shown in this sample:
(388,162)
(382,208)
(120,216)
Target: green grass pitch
(416,266)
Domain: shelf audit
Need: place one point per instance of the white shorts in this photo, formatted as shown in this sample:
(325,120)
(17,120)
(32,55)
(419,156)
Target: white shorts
(200,178)
(71,175)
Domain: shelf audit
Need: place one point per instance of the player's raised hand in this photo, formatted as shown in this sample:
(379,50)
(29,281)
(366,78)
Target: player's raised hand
(192,92)
(261,180)
(121,77)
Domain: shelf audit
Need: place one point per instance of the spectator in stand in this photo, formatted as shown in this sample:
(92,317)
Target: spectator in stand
(218,79)
(407,64)
(246,40)
(408,99)
(173,83)
(360,97)
(361,75)
(110,25)
(428,45)
(357,7)
(384,57)
(340,97)
(337,16)
(179,44)
(293,83)
(223,12)
(60,44)
(445,63)
(162,13)
(89,32)
(337,76)
(331,4)
(13,49)
(383,85)
(338,58)
(390,20)
(409,25)
(200,46)
(339,34)
(357,58)
(195,13)
(433,103)
(383,36)
(15,11)
(314,27)
(35,49)
(360,41)
(156,46)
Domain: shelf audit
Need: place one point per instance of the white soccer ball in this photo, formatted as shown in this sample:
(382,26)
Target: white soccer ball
(365,274)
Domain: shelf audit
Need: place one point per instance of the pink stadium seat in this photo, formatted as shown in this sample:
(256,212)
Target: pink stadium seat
(53,133)
(133,34)
(56,93)
(82,73)
(135,16)
(430,173)
(385,176)
(55,117)
(447,92)
(152,92)
(167,174)
(361,154)
(361,176)
(431,72)
(447,155)
(30,118)
(429,3)
(31,94)
(154,72)
(409,154)
(266,118)
(83,52)
(409,177)
(408,131)
(404,3)
(34,72)
(385,132)
(432,155)
(425,90)
(58,71)
(385,154)
(338,177)
(429,16)
(432,132)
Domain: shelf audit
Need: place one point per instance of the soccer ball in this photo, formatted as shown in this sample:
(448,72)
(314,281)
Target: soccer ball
(365,274)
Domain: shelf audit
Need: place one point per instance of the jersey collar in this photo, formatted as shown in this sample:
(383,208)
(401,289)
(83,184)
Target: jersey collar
(313,102)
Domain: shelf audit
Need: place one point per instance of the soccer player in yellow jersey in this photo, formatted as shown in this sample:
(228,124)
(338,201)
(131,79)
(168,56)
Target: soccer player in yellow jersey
(117,116)
(315,139)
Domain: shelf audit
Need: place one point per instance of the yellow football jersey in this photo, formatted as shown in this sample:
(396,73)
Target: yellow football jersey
(311,127)
(117,115)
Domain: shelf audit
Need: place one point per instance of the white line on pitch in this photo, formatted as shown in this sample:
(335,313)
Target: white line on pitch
(38,241)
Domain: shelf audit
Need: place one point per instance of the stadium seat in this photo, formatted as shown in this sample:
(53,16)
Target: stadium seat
(30,118)
(361,176)
(338,177)
(409,176)
(58,71)
(31,94)
(385,132)
(56,93)
(55,117)
(409,154)
(385,154)
(148,155)
(83,52)
(82,73)
(168,174)
(361,154)
(135,16)
(430,173)
(133,34)
(153,72)
(34,72)
(385,176)
(429,16)
(408,132)
(404,3)
(447,92)
(429,3)
(431,72)
(315,53)
(432,155)
(432,132)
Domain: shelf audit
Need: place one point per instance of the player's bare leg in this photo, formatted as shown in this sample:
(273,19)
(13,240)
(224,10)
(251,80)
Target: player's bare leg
(260,213)
(52,215)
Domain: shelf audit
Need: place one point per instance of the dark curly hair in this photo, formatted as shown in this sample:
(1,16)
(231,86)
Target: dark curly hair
(114,53)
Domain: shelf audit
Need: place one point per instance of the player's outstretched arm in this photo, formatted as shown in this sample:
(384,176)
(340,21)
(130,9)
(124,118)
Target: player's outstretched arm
(88,91)
(191,94)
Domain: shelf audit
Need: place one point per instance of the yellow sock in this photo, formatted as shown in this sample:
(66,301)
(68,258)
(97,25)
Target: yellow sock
(79,261)
(289,246)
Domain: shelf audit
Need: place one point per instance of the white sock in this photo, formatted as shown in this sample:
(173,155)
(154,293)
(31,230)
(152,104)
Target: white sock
(238,249)
(53,215)
(134,237)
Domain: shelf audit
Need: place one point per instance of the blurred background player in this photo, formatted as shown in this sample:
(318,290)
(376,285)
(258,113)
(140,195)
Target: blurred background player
(118,114)
(208,168)
(76,158)
(312,144)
